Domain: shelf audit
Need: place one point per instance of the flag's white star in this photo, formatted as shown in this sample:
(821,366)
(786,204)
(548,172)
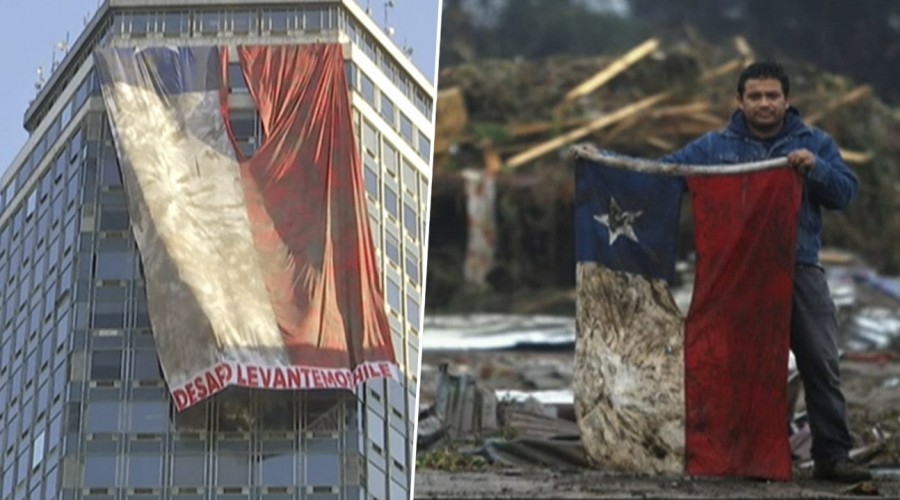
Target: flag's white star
(619,222)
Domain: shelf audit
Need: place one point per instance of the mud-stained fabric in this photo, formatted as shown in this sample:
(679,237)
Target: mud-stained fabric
(259,272)
(628,366)
(481,197)
(738,329)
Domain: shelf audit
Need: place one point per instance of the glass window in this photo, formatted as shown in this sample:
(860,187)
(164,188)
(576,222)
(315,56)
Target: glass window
(244,22)
(243,122)
(410,178)
(323,470)
(113,219)
(393,295)
(424,146)
(144,471)
(103,416)
(390,200)
(146,365)
(233,469)
(390,159)
(149,417)
(350,69)
(279,20)
(377,481)
(387,110)
(109,165)
(108,315)
(100,470)
(370,139)
(412,268)
(188,470)
(411,220)
(392,248)
(314,19)
(106,365)
(412,312)
(207,23)
(237,84)
(367,88)
(371,177)
(37,455)
(115,265)
(277,469)
(174,23)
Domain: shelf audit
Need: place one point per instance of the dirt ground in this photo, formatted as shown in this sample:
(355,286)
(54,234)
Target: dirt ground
(872,388)
(539,483)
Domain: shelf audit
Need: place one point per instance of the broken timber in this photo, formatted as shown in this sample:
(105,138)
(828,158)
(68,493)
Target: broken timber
(578,133)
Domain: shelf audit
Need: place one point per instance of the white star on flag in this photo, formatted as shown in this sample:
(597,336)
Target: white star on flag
(619,222)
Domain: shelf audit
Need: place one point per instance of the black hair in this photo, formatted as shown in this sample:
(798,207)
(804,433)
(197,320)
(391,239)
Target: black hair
(764,69)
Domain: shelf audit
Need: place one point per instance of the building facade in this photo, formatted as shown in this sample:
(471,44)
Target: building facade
(87,414)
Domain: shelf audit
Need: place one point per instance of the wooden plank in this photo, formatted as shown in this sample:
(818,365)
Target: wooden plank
(613,69)
(848,98)
(743,48)
(573,135)
(722,69)
(855,157)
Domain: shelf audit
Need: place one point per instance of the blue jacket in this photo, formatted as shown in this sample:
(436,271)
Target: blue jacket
(830,184)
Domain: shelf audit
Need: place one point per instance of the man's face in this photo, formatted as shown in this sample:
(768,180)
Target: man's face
(764,105)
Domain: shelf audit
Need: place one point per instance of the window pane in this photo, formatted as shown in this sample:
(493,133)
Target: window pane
(103,416)
(115,265)
(412,312)
(390,201)
(323,470)
(100,470)
(106,365)
(233,469)
(144,471)
(393,294)
(367,88)
(392,248)
(387,110)
(237,83)
(411,221)
(277,470)
(149,417)
(146,365)
(188,470)
(371,176)
(412,269)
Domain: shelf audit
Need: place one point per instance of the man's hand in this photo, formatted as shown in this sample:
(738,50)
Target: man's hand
(802,160)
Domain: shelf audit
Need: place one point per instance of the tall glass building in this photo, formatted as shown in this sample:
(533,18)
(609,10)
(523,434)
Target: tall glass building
(86,413)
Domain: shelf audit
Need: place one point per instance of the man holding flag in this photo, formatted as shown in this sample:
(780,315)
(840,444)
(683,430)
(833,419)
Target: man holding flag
(758,278)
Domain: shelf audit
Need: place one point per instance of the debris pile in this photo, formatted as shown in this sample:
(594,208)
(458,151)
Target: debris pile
(512,120)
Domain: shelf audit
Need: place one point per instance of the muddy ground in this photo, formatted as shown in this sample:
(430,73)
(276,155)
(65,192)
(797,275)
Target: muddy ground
(538,483)
(872,388)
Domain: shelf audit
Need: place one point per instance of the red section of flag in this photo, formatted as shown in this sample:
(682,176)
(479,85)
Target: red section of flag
(304,195)
(737,334)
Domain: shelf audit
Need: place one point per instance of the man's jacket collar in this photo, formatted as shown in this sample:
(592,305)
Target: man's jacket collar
(793,124)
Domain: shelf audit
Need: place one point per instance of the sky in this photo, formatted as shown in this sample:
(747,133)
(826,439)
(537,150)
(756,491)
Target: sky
(31,29)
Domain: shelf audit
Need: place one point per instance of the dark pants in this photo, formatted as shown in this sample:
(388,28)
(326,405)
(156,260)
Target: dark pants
(814,343)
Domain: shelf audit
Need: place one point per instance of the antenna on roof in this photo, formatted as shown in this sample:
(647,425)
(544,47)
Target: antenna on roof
(388,4)
(40,80)
(62,47)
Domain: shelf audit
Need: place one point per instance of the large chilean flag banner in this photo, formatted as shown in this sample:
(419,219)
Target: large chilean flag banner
(259,271)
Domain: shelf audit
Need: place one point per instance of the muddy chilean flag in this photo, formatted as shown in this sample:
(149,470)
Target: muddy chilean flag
(736,336)
(260,271)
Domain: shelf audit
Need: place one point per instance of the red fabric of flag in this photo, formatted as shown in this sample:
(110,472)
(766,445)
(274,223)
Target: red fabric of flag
(737,334)
(305,201)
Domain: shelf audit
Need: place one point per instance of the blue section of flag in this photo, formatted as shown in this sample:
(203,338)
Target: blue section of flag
(170,70)
(627,221)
